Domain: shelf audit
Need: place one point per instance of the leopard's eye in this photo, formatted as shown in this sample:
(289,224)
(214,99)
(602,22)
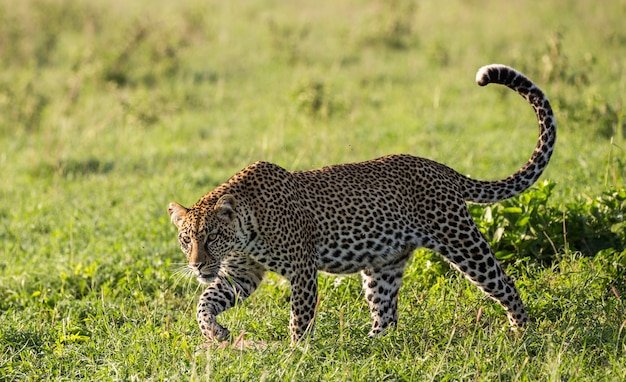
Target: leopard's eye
(185,241)
(211,237)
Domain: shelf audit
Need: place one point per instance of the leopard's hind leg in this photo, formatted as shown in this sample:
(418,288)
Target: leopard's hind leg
(381,286)
(469,252)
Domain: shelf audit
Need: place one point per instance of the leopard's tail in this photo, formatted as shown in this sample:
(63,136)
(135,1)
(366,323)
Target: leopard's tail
(478,191)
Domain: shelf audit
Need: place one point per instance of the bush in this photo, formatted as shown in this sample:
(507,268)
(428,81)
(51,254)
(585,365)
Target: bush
(530,227)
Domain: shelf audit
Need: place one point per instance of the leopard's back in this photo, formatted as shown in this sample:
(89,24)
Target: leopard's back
(368,213)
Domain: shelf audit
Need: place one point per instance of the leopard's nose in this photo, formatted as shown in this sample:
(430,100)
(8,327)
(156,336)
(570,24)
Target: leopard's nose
(193,253)
(195,268)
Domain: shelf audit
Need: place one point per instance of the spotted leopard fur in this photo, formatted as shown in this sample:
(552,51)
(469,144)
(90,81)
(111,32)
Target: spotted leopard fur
(361,217)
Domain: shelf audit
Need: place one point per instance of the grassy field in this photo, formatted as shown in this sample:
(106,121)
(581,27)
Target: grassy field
(111,109)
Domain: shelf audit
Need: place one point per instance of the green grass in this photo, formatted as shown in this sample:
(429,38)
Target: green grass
(109,110)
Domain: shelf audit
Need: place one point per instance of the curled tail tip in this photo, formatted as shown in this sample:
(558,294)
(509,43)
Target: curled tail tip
(490,73)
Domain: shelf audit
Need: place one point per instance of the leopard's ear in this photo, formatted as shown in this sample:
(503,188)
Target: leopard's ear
(225,208)
(177,213)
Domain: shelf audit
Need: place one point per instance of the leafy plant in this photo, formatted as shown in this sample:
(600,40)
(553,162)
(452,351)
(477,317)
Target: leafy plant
(529,226)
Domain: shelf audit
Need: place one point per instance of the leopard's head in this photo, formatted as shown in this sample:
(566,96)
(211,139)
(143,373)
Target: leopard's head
(206,235)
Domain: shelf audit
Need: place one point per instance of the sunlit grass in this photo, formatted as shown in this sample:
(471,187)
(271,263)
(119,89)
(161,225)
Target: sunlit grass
(109,110)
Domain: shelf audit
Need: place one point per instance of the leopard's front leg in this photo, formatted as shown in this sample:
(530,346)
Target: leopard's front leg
(303,301)
(216,298)
(233,283)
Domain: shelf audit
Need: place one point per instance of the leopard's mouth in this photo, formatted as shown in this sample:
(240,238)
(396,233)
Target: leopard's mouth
(206,279)
(207,274)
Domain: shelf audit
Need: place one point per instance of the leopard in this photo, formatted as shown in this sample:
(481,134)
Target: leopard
(366,218)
